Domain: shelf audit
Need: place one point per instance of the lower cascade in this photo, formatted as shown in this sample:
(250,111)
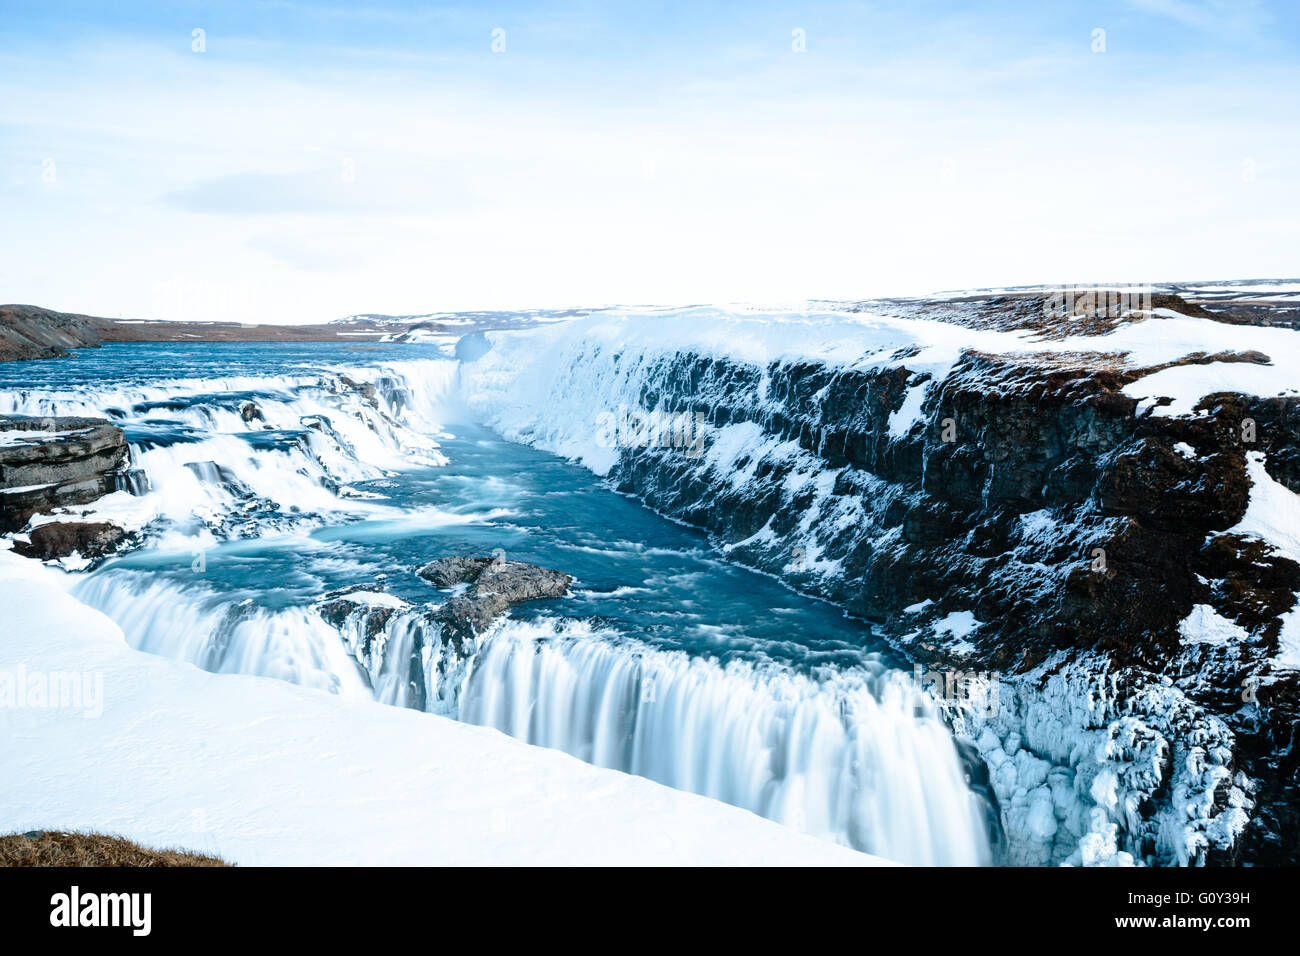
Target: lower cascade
(859,756)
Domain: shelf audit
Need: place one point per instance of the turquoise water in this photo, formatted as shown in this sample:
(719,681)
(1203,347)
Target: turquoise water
(665,660)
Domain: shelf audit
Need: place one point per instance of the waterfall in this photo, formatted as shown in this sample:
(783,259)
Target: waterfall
(855,754)
(860,757)
(225,636)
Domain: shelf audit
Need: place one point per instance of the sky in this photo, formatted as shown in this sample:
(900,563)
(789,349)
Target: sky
(298,161)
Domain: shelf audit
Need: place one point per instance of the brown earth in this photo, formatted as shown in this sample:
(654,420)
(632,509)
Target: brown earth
(32,332)
(57,848)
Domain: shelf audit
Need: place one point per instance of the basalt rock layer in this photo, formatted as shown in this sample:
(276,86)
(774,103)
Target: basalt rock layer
(1016,515)
(494,585)
(49,463)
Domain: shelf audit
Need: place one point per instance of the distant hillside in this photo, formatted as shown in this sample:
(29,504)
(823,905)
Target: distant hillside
(32,332)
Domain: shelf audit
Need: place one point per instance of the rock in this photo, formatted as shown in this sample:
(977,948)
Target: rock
(448,572)
(496,585)
(58,539)
(48,463)
(365,389)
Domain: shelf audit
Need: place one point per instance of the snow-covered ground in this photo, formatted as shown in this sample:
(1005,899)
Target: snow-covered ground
(97,736)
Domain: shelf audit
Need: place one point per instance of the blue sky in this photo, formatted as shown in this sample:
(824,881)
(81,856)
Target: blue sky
(314,160)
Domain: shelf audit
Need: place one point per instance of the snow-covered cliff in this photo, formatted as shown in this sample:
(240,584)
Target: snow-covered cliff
(1094,512)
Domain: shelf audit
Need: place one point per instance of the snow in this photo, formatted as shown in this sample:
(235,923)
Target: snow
(1273,513)
(1188,384)
(263,772)
(1206,626)
(909,413)
(1289,640)
(958,624)
(375,599)
(16,436)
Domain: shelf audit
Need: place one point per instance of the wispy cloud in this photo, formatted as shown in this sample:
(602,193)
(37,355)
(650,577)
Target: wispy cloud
(344,163)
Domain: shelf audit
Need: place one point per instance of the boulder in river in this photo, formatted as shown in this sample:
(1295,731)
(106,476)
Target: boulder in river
(494,586)
(58,539)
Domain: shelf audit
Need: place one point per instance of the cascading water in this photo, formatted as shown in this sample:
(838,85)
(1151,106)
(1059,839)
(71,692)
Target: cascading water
(225,636)
(333,484)
(861,758)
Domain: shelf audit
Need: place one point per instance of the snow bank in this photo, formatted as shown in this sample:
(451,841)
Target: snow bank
(263,772)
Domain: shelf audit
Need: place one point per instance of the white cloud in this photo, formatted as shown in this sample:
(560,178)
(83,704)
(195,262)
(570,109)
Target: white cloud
(306,193)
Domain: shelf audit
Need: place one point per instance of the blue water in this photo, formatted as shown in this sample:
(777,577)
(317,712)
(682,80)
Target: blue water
(672,588)
(665,660)
(137,362)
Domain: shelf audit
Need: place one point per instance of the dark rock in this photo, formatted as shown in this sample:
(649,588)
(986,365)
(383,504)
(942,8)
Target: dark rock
(448,572)
(58,539)
(495,586)
(365,389)
(48,463)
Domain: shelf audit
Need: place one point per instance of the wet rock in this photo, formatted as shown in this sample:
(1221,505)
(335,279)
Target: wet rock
(494,586)
(59,539)
(48,463)
(365,389)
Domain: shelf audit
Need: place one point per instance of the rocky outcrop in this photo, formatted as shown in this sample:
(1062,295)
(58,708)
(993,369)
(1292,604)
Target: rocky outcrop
(49,463)
(494,586)
(416,655)
(30,332)
(365,389)
(1020,516)
(59,539)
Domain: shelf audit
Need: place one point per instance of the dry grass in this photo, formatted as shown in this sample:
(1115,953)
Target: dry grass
(55,848)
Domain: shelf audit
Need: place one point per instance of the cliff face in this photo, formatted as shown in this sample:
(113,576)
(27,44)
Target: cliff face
(49,463)
(1055,515)
(1022,517)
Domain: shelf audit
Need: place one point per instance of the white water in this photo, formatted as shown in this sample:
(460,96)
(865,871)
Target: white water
(858,756)
(225,636)
(861,758)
